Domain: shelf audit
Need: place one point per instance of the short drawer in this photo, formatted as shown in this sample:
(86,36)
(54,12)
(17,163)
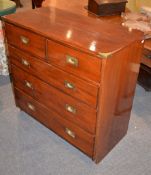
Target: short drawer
(25,40)
(66,106)
(76,87)
(73,61)
(73,134)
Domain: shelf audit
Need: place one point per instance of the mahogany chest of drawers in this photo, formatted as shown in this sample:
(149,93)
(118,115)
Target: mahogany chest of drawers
(74,74)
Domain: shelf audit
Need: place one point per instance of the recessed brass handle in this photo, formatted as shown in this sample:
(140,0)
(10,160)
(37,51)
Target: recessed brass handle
(69,85)
(24,40)
(25,62)
(72,60)
(71,109)
(31,107)
(28,84)
(70,133)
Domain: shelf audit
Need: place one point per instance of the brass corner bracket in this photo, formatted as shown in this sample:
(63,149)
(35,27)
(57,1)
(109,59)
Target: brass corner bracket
(105,55)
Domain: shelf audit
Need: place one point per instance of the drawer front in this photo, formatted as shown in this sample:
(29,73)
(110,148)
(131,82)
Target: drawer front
(66,106)
(75,62)
(26,40)
(50,119)
(72,85)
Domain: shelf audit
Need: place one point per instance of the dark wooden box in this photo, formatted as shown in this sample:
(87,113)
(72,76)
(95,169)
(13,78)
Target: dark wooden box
(107,8)
(144,78)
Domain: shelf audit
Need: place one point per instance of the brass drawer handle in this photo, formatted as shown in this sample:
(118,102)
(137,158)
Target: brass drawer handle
(24,40)
(72,60)
(70,133)
(25,62)
(69,85)
(28,84)
(31,107)
(71,109)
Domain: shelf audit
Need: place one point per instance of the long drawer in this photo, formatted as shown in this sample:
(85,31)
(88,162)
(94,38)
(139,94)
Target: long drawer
(26,40)
(73,61)
(73,134)
(76,87)
(66,106)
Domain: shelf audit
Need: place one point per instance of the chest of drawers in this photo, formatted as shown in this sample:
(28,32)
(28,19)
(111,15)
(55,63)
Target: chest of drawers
(74,74)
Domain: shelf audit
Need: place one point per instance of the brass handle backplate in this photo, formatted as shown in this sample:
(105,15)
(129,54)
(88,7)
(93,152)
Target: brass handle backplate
(25,62)
(72,60)
(24,40)
(69,85)
(70,133)
(71,109)
(31,107)
(28,84)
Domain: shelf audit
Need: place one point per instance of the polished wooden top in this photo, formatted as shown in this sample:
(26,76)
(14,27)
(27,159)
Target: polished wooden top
(89,34)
